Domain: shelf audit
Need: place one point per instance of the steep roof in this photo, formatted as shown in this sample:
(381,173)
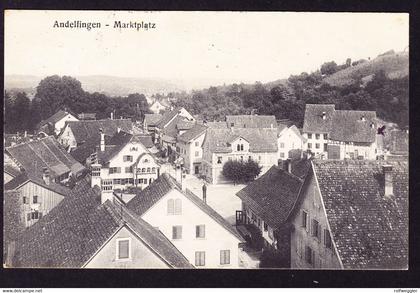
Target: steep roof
(148,197)
(47,152)
(260,140)
(282,129)
(273,195)
(152,119)
(192,133)
(369,230)
(348,126)
(26,177)
(313,121)
(86,129)
(11,170)
(251,121)
(54,118)
(79,226)
(167,117)
(216,124)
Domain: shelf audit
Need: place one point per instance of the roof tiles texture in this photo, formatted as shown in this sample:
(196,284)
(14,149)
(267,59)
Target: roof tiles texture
(251,121)
(192,133)
(77,228)
(152,119)
(369,230)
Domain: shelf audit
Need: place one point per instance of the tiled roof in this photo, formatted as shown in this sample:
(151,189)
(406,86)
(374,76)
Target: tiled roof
(148,197)
(348,126)
(47,152)
(24,177)
(192,133)
(171,129)
(399,142)
(313,121)
(86,129)
(152,119)
(76,229)
(54,118)
(260,140)
(217,124)
(273,195)
(294,129)
(251,121)
(11,170)
(369,230)
(167,117)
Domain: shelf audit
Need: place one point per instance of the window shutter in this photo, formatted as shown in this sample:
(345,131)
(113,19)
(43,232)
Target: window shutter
(170,205)
(197,231)
(308,224)
(319,232)
(178,206)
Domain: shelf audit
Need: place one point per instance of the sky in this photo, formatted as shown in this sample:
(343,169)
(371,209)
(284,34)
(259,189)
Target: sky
(196,47)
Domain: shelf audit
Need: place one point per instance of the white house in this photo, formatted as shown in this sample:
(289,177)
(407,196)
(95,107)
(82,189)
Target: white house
(123,162)
(189,146)
(205,238)
(340,134)
(157,107)
(54,124)
(290,142)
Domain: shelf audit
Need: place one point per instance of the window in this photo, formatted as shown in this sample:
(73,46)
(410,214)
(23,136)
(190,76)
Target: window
(238,147)
(316,229)
(259,158)
(35,199)
(309,145)
(176,232)
(325,136)
(123,249)
(197,143)
(325,147)
(249,158)
(197,153)
(304,219)
(133,149)
(148,170)
(309,255)
(127,158)
(232,124)
(282,145)
(200,231)
(309,135)
(114,170)
(143,170)
(219,160)
(170,204)
(153,170)
(96,171)
(129,169)
(178,206)
(224,257)
(34,215)
(25,200)
(317,145)
(265,226)
(200,258)
(242,147)
(327,239)
(117,181)
(281,155)
(317,136)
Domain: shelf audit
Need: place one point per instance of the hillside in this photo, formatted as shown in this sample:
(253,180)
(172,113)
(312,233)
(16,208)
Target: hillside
(394,65)
(109,85)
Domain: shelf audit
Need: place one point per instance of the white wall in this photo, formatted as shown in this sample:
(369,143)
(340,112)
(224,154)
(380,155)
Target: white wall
(216,237)
(288,141)
(60,124)
(313,141)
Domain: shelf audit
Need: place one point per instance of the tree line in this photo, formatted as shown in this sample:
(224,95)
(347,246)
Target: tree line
(56,93)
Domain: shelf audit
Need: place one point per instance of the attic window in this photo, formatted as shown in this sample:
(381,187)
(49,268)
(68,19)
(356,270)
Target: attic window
(123,249)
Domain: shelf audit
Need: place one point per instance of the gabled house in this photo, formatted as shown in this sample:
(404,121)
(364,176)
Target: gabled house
(54,124)
(150,121)
(222,145)
(290,141)
(347,214)
(157,107)
(121,162)
(205,238)
(189,146)
(83,233)
(340,134)
(170,133)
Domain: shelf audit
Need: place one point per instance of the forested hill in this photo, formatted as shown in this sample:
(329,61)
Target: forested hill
(380,84)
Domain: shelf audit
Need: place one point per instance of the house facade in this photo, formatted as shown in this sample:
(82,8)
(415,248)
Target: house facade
(124,162)
(54,124)
(157,107)
(290,142)
(195,229)
(189,146)
(242,144)
(340,134)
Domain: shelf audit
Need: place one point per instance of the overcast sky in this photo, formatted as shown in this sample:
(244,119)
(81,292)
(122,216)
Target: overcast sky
(196,46)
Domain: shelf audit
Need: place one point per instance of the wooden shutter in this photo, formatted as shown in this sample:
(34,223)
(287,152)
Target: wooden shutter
(170,205)
(319,232)
(178,206)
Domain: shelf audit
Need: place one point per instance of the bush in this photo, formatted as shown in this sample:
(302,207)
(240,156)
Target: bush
(239,171)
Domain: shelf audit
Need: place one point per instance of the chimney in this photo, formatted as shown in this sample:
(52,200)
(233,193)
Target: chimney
(387,170)
(46,175)
(204,192)
(118,129)
(324,115)
(102,145)
(112,115)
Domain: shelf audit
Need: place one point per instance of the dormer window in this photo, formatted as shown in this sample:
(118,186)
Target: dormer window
(219,160)
(363,118)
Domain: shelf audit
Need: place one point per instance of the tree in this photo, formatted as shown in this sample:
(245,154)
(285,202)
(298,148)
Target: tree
(239,171)
(329,68)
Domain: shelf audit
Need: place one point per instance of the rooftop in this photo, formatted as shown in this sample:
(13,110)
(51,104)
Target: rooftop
(369,230)
(152,119)
(251,121)
(192,133)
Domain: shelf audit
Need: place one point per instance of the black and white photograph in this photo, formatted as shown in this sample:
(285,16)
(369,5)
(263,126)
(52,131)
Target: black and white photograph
(206,140)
